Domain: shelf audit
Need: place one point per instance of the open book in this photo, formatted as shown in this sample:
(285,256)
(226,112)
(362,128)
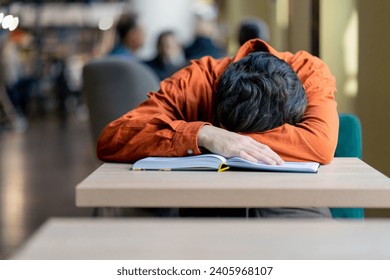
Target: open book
(217,162)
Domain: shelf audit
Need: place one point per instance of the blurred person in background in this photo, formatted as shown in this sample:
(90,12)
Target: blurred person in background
(205,30)
(170,55)
(61,85)
(252,28)
(130,36)
(66,68)
(18,81)
(7,111)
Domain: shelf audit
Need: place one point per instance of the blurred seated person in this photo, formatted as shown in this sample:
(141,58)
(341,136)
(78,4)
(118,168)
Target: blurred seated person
(130,36)
(204,43)
(252,28)
(169,58)
(17,77)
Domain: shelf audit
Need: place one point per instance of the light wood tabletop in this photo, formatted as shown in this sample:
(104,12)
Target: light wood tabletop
(157,239)
(346,182)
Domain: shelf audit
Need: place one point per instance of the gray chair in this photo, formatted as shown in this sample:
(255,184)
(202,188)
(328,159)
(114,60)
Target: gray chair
(113,86)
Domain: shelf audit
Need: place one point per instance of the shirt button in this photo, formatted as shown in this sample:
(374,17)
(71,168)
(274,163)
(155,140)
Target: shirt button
(190,152)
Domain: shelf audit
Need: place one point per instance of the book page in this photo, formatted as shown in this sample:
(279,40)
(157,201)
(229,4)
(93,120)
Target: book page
(310,167)
(199,162)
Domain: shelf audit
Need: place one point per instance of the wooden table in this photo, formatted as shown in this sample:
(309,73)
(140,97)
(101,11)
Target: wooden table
(346,182)
(171,239)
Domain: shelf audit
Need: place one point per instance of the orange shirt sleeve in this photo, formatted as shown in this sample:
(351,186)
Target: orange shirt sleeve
(167,124)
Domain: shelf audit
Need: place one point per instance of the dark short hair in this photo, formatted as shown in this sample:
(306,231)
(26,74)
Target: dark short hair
(258,93)
(125,24)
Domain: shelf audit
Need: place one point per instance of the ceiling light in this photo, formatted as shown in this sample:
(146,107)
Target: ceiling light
(106,23)
(14,24)
(7,21)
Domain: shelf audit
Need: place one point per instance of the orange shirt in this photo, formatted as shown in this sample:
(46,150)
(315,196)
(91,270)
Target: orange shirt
(167,124)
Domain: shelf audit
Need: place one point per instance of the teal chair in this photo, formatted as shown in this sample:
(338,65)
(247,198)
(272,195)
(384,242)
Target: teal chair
(349,145)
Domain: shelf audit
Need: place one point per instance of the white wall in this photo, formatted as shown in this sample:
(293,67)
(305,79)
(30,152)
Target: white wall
(157,16)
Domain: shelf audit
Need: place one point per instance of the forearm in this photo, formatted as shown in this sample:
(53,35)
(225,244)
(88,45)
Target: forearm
(300,144)
(127,140)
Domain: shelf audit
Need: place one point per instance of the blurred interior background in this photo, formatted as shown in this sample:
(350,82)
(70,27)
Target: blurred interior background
(46,146)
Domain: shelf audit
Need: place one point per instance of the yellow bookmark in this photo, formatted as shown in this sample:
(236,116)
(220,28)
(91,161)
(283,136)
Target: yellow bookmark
(222,167)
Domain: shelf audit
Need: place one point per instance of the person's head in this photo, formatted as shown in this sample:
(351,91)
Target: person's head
(168,47)
(205,19)
(258,93)
(129,31)
(251,29)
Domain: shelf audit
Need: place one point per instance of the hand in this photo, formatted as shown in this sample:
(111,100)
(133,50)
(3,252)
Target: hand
(230,144)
